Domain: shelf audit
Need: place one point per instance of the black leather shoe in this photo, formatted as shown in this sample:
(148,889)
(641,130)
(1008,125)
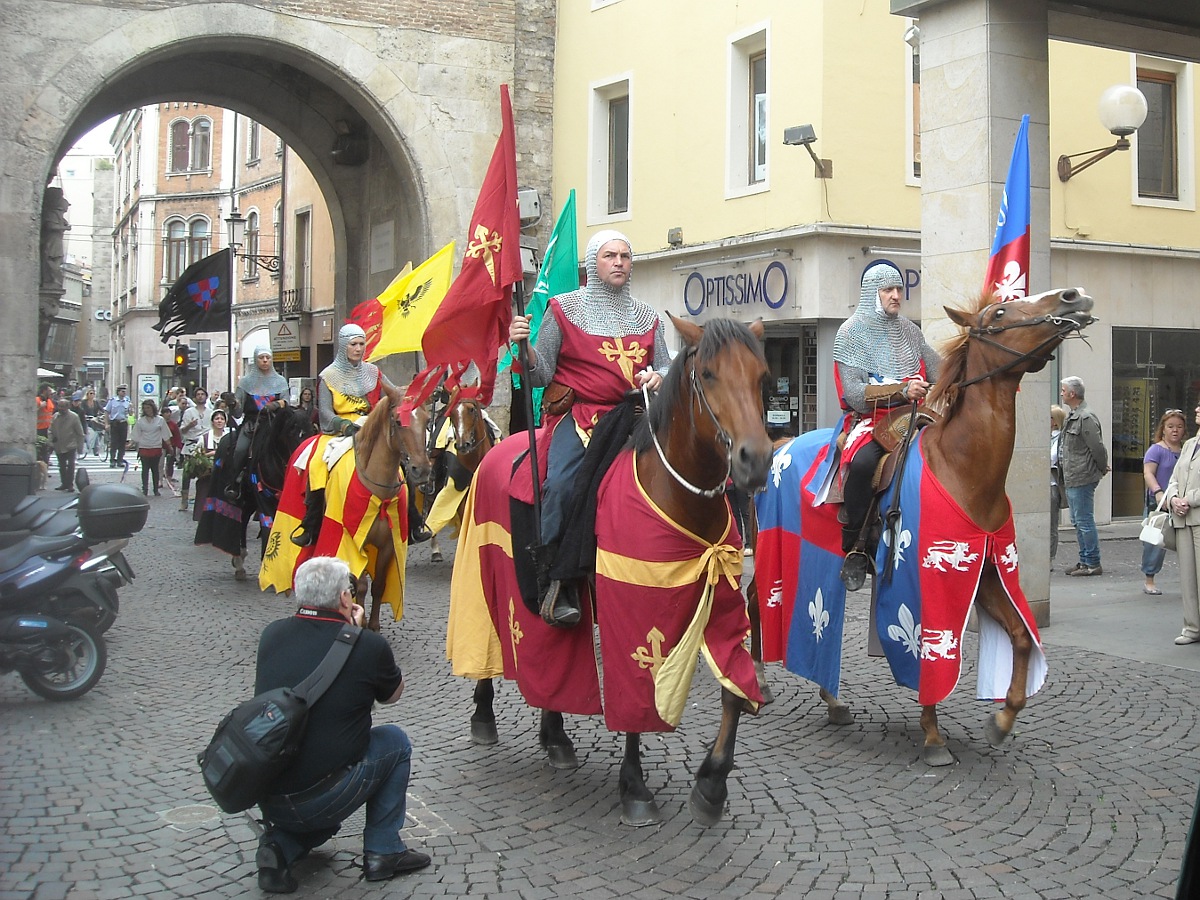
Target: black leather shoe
(301,537)
(273,874)
(560,605)
(382,866)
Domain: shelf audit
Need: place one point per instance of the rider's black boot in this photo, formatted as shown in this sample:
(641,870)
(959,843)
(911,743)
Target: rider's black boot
(418,532)
(310,526)
(560,604)
(233,490)
(858,563)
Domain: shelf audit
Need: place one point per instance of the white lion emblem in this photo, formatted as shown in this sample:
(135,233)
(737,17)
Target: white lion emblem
(1009,559)
(936,643)
(775,598)
(949,553)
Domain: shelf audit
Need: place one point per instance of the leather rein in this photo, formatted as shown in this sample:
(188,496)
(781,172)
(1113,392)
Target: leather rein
(391,488)
(722,436)
(980,332)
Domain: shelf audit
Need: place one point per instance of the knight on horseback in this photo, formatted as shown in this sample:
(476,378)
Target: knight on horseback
(261,390)
(347,391)
(599,343)
(881,361)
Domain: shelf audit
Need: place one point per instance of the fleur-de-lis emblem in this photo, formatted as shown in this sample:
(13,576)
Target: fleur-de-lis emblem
(903,539)
(653,657)
(486,245)
(907,631)
(779,462)
(1011,285)
(819,615)
(514,626)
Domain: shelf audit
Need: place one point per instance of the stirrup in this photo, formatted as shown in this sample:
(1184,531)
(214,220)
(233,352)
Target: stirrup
(301,537)
(419,534)
(855,568)
(560,605)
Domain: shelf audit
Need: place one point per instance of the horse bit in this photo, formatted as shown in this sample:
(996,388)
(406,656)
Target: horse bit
(722,436)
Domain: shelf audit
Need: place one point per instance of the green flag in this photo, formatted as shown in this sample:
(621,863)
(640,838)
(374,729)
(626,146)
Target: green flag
(559,275)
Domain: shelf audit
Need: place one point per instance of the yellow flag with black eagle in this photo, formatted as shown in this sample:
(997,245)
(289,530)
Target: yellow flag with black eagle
(409,303)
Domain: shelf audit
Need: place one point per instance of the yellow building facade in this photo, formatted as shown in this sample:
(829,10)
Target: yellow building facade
(670,121)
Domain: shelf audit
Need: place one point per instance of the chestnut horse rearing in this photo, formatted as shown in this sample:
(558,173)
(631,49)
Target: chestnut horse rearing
(948,546)
(666,588)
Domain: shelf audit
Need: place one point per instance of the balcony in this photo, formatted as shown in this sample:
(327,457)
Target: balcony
(295,301)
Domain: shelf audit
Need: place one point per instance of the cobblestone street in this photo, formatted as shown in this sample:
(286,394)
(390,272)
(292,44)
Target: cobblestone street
(1091,797)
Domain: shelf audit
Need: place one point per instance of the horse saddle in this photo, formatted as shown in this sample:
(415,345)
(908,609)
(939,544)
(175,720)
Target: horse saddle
(890,432)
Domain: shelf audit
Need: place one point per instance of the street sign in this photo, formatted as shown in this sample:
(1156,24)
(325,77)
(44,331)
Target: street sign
(285,340)
(148,387)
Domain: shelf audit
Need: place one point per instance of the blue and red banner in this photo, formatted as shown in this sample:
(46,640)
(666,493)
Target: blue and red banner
(1008,269)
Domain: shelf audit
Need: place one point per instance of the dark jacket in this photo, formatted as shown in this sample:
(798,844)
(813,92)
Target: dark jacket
(1083,456)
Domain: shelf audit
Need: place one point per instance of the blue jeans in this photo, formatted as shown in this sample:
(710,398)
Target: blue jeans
(1082,501)
(300,822)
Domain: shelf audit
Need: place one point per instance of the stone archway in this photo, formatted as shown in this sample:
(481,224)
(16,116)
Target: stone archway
(422,100)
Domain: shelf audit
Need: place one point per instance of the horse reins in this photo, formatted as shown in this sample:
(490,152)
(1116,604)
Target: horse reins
(981,332)
(722,436)
(394,487)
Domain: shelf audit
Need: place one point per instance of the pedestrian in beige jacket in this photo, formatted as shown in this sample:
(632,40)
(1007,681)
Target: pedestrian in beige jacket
(1183,499)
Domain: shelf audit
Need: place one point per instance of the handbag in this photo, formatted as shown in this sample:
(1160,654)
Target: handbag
(260,737)
(1157,530)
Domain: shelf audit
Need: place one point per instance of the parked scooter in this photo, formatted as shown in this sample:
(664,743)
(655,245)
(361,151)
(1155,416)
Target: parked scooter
(71,565)
(57,660)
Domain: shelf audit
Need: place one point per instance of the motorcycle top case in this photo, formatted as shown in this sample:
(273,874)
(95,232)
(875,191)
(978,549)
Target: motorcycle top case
(251,747)
(110,511)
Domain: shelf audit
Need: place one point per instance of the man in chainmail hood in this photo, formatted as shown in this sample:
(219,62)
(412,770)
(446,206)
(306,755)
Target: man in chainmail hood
(347,391)
(881,360)
(598,342)
(260,390)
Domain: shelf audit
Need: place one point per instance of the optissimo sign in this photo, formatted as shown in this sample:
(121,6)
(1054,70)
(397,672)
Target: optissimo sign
(767,287)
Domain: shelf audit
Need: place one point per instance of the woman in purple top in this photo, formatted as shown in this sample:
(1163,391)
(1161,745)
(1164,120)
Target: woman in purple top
(1157,467)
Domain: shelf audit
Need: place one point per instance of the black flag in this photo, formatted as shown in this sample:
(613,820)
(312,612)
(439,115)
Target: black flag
(200,300)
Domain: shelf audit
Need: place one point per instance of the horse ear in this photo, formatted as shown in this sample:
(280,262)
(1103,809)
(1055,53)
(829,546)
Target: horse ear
(688,331)
(958,316)
(756,328)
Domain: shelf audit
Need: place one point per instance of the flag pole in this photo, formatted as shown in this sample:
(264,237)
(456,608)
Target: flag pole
(527,390)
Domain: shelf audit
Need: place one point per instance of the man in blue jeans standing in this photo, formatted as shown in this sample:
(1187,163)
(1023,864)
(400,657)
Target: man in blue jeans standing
(1084,461)
(343,762)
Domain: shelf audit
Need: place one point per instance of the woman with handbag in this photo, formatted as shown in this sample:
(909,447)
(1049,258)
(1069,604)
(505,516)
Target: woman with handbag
(1182,497)
(150,436)
(1157,467)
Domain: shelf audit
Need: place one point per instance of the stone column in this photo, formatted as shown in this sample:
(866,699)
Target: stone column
(984,63)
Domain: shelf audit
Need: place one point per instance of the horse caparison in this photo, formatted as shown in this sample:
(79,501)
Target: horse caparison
(969,452)
(704,426)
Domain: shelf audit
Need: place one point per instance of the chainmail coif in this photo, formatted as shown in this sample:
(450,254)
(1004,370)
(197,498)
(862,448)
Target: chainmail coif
(351,379)
(871,340)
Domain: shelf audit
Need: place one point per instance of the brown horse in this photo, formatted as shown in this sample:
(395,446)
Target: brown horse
(366,512)
(936,560)
(471,437)
(667,564)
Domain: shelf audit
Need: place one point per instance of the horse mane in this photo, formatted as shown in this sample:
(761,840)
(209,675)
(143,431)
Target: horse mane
(717,334)
(944,397)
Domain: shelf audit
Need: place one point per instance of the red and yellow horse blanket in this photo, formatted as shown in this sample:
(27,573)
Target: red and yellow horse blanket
(350,511)
(666,597)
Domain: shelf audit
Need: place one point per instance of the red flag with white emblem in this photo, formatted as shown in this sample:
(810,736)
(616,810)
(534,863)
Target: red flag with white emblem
(472,322)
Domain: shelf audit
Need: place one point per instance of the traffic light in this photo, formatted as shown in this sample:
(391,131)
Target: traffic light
(193,367)
(183,357)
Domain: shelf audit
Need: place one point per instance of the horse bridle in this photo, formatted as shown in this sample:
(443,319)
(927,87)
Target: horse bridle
(980,332)
(469,447)
(722,436)
(405,458)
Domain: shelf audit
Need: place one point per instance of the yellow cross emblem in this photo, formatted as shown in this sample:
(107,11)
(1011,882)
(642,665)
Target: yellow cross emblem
(653,658)
(514,627)
(626,357)
(486,244)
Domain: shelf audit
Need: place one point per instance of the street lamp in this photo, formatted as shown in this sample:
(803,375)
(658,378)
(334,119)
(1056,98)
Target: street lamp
(236,224)
(1122,111)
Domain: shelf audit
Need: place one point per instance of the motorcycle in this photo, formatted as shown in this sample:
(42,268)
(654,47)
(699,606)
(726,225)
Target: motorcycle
(70,565)
(56,660)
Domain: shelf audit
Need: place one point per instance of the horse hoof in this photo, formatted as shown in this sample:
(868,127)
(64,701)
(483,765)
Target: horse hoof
(435,556)
(935,756)
(562,756)
(760,674)
(995,736)
(704,811)
(840,715)
(639,813)
(484,733)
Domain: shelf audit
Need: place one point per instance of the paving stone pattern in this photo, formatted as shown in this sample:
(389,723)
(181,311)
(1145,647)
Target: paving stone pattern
(1091,797)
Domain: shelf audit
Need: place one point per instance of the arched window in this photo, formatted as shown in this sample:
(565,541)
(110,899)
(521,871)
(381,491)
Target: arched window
(198,240)
(180,145)
(201,144)
(175,250)
(252,243)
